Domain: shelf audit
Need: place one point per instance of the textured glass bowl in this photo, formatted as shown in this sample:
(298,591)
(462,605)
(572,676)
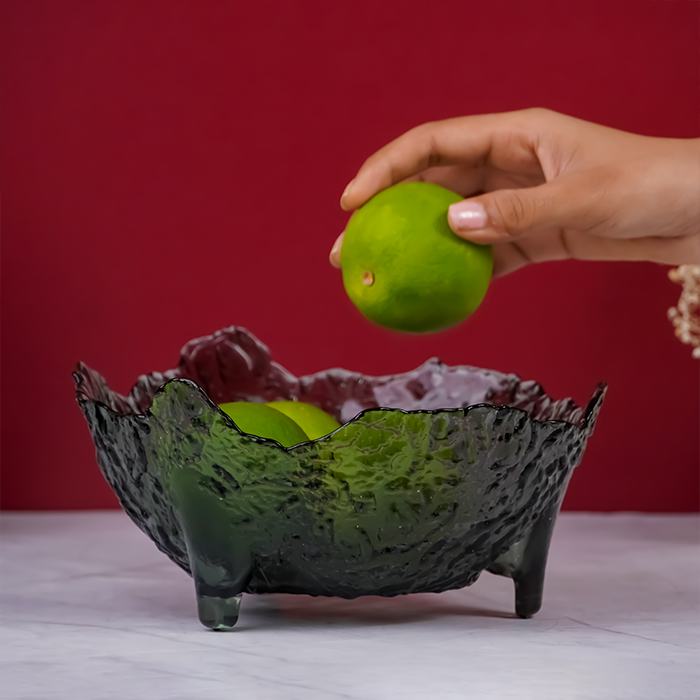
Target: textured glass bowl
(464,472)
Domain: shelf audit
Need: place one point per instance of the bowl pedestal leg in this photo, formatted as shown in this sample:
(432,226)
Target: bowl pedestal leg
(219,580)
(220,563)
(216,612)
(525,562)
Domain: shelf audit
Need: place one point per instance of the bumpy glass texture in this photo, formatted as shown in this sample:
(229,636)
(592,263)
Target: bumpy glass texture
(465,471)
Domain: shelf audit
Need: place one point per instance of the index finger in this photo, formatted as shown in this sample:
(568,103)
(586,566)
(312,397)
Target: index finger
(463,140)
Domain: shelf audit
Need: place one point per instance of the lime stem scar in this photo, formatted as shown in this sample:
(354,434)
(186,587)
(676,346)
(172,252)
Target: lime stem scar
(368,278)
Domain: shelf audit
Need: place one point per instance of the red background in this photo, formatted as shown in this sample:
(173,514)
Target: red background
(170,168)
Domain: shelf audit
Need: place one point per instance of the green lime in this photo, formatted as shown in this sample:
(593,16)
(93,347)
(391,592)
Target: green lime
(258,419)
(313,421)
(403,266)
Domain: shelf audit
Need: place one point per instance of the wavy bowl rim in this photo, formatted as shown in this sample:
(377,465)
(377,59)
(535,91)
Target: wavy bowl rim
(584,423)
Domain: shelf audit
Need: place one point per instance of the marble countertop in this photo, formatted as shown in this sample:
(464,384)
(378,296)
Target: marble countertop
(90,609)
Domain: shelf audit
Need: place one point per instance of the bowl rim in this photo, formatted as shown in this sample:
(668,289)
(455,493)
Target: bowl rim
(588,416)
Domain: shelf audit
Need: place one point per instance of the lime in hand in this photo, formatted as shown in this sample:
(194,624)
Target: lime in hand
(403,266)
(313,421)
(263,421)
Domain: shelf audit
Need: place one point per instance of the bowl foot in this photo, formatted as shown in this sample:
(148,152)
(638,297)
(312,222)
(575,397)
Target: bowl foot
(528,594)
(218,614)
(220,565)
(525,562)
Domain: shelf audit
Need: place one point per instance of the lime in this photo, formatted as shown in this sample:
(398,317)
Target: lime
(258,419)
(403,266)
(312,420)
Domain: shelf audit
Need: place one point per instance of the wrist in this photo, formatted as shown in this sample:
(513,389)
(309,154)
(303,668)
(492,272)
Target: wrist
(682,174)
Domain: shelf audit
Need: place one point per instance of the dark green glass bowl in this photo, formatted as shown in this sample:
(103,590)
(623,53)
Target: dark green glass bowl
(435,476)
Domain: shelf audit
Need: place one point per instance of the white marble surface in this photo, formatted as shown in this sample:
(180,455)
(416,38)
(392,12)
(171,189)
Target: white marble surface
(90,609)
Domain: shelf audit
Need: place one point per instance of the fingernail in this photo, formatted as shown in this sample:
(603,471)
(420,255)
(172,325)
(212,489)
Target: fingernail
(346,191)
(466,216)
(335,250)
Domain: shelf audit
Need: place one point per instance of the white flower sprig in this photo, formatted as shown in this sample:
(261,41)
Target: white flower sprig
(686,316)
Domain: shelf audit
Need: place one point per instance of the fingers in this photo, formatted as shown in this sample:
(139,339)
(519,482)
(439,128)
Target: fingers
(577,202)
(573,202)
(465,140)
(334,256)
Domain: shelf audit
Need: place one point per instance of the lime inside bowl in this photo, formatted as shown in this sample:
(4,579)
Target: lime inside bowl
(434,476)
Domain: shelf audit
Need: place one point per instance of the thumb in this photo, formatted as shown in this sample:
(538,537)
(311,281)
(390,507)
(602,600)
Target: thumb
(505,215)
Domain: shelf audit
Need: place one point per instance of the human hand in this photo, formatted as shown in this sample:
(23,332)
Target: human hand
(544,186)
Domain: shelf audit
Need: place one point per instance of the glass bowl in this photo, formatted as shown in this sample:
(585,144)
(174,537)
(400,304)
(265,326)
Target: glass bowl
(434,476)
